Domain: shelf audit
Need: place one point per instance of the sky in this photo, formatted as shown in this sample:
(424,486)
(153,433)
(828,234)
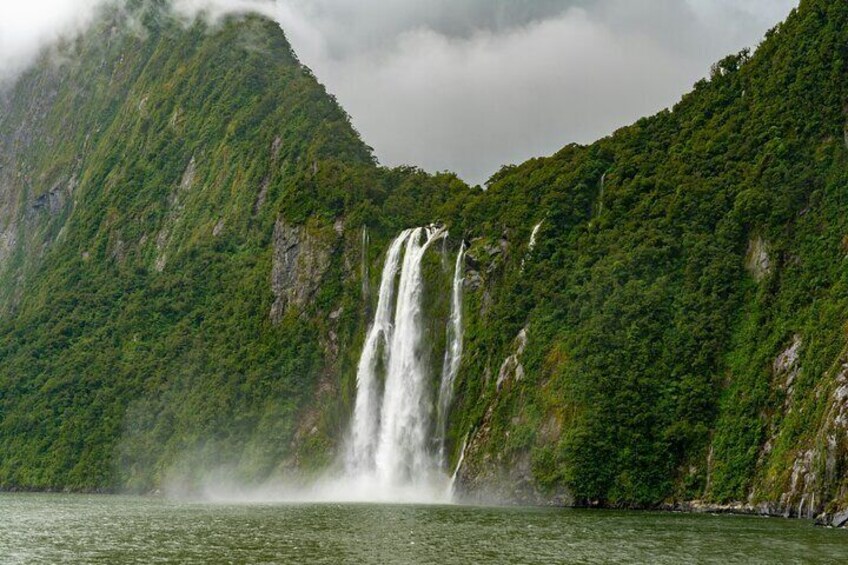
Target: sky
(471,85)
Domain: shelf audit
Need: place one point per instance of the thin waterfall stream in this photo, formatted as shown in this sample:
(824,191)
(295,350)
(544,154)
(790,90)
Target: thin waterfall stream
(453,353)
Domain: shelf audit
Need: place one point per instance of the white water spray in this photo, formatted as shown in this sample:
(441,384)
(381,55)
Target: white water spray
(402,456)
(452,484)
(391,455)
(363,440)
(534,236)
(453,353)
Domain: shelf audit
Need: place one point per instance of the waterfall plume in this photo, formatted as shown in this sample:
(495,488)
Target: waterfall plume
(365,425)
(402,455)
(391,447)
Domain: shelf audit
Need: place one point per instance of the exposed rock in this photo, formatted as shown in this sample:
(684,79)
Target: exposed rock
(161,258)
(54,200)
(803,486)
(276,145)
(262,196)
(840,519)
(118,251)
(219,228)
(512,369)
(300,261)
(757,260)
(786,365)
(473,280)
(8,242)
(188,175)
(488,475)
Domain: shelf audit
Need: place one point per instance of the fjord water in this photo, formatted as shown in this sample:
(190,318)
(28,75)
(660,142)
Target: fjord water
(53,528)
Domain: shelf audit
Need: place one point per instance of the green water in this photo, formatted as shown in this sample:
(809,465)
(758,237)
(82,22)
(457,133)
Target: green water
(38,528)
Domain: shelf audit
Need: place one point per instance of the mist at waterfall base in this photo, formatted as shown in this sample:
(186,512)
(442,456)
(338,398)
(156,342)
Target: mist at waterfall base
(395,449)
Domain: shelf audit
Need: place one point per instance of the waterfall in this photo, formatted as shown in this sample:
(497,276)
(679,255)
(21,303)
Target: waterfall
(455,475)
(602,187)
(364,265)
(534,235)
(363,440)
(390,454)
(453,353)
(402,456)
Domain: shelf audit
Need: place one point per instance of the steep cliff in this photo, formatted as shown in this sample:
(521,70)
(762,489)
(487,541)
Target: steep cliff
(190,231)
(681,319)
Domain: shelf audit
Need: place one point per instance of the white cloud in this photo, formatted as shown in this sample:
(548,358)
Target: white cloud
(26,27)
(468,85)
(457,86)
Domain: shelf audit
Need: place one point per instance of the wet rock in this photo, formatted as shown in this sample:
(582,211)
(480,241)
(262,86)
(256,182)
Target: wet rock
(840,519)
(188,175)
(512,369)
(757,259)
(300,261)
(473,280)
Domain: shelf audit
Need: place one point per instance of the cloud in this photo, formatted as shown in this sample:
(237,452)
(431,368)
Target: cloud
(26,27)
(469,85)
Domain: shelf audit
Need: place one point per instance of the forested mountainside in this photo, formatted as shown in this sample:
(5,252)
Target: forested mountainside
(192,234)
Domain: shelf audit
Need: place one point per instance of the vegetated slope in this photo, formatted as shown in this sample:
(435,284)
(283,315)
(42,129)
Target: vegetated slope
(181,206)
(679,330)
(185,280)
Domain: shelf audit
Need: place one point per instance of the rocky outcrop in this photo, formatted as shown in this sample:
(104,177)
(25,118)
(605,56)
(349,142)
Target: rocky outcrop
(816,485)
(512,369)
(757,260)
(301,259)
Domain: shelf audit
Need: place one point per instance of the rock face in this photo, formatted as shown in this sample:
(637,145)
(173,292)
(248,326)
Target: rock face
(757,260)
(512,369)
(301,259)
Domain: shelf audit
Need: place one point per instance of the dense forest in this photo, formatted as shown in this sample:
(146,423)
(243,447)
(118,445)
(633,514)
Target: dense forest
(190,226)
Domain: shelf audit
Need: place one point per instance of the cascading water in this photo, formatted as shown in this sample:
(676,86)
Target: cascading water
(365,426)
(366,290)
(453,354)
(390,452)
(402,456)
(534,236)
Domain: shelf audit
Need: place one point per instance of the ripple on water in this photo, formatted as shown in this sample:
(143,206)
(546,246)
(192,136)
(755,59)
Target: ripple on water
(37,528)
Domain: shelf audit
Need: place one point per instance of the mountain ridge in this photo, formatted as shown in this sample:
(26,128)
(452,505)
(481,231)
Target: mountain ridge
(675,333)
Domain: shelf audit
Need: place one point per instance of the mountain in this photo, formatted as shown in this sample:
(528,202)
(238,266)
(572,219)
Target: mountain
(192,234)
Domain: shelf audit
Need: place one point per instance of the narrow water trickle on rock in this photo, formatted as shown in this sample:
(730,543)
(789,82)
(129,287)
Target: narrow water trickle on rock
(453,354)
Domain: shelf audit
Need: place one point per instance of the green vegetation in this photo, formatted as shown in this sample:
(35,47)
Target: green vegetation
(150,179)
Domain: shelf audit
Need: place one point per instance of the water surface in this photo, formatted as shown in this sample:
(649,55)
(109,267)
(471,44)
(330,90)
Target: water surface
(45,528)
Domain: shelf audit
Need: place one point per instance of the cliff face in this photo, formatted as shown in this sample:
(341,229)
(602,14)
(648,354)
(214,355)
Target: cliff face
(179,289)
(684,307)
(185,280)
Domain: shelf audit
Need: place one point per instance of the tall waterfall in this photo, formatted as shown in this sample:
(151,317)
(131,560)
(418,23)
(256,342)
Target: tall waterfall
(453,353)
(402,456)
(363,441)
(390,445)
